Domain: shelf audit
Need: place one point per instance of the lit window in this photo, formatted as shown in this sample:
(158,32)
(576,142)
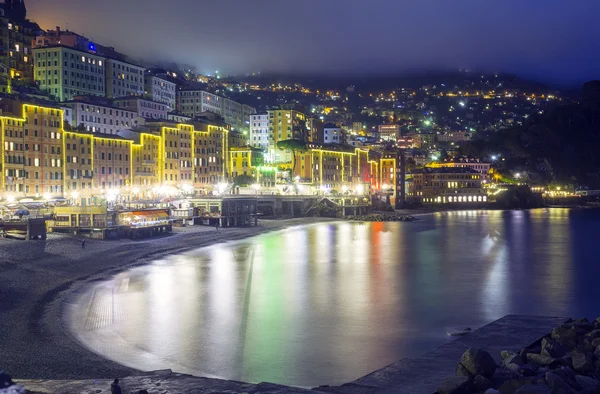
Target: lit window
(17,47)
(83,59)
(100,63)
(36,162)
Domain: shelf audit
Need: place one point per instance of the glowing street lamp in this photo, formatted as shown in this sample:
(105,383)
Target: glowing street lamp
(344,189)
(359,189)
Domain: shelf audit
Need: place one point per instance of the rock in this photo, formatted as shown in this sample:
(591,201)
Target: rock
(482,383)
(593,334)
(596,343)
(512,385)
(583,324)
(557,384)
(462,371)
(512,367)
(492,391)
(514,359)
(566,336)
(588,385)
(478,362)
(539,359)
(455,385)
(552,348)
(527,370)
(506,354)
(501,376)
(597,353)
(534,389)
(5,380)
(582,363)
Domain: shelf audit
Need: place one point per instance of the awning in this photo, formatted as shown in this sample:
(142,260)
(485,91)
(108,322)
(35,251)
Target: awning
(160,214)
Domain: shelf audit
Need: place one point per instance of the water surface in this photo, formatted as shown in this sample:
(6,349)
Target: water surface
(330,302)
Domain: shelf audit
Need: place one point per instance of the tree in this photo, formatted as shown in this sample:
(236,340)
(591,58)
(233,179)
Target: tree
(243,180)
(293,146)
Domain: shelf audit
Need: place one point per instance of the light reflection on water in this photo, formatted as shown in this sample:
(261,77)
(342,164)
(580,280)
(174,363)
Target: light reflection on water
(328,303)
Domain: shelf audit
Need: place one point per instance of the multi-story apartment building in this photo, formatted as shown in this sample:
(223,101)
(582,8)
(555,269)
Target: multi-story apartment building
(79,167)
(332,134)
(315,130)
(16,36)
(445,185)
(284,124)
(244,160)
(145,108)
(31,155)
(145,159)
(259,131)
(192,101)
(454,136)
(38,157)
(161,88)
(67,72)
(123,78)
(389,132)
(111,162)
(473,163)
(335,169)
(97,115)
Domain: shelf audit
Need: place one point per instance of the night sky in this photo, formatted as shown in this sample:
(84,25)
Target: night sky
(554,41)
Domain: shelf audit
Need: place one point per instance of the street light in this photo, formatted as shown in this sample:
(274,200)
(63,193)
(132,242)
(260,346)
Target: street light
(359,189)
(256,186)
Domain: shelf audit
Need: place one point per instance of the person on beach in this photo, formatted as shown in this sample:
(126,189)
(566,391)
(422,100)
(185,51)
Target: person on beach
(217,226)
(83,245)
(115,388)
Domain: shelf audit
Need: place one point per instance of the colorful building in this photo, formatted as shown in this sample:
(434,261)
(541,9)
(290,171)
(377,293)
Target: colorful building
(445,185)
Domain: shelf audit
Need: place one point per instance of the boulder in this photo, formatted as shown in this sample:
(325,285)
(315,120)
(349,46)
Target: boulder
(462,371)
(5,380)
(596,343)
(478,362)
(507,353)
(593,334)
(527,370)
(587,384)
(582,362)
(492,391)
(565,335)
(597,353)
(539,359)
(557,383)
(553,348)
(482,383)
(534,389)
(514,359)
(500,376)
(455,385)
(512,385)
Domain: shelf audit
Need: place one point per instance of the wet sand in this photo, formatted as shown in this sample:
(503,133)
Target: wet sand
(37,276)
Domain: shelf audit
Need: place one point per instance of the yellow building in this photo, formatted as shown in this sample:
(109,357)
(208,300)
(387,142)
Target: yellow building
(284,124)
(334,168)
(78,167)
(244,160)
(31,160)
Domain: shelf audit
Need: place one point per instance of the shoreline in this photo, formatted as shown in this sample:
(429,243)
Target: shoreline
(39,277)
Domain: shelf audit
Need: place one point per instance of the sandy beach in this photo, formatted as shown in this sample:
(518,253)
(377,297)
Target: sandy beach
(37,276)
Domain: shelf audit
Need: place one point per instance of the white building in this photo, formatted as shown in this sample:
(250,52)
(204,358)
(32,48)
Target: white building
(332,134)
(66,72)
(145,108)
(389,132)
(193,102)
(97,117)
(259,131)
(161,90)
(123,79)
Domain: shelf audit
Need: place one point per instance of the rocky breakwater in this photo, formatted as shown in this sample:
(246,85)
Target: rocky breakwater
(377,217)
(7,386)
(565,361)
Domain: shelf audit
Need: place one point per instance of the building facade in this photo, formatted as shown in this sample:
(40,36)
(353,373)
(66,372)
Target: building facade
(161,90)
(65,72)
(259,131)
(284,124)
(97,115)
(389,132)
(473,163)
(16,36)
(445,186)
(123,79)
(193,102)
(145,108)
(332,134)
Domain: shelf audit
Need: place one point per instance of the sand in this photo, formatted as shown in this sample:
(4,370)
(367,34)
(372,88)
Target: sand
(37,276)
